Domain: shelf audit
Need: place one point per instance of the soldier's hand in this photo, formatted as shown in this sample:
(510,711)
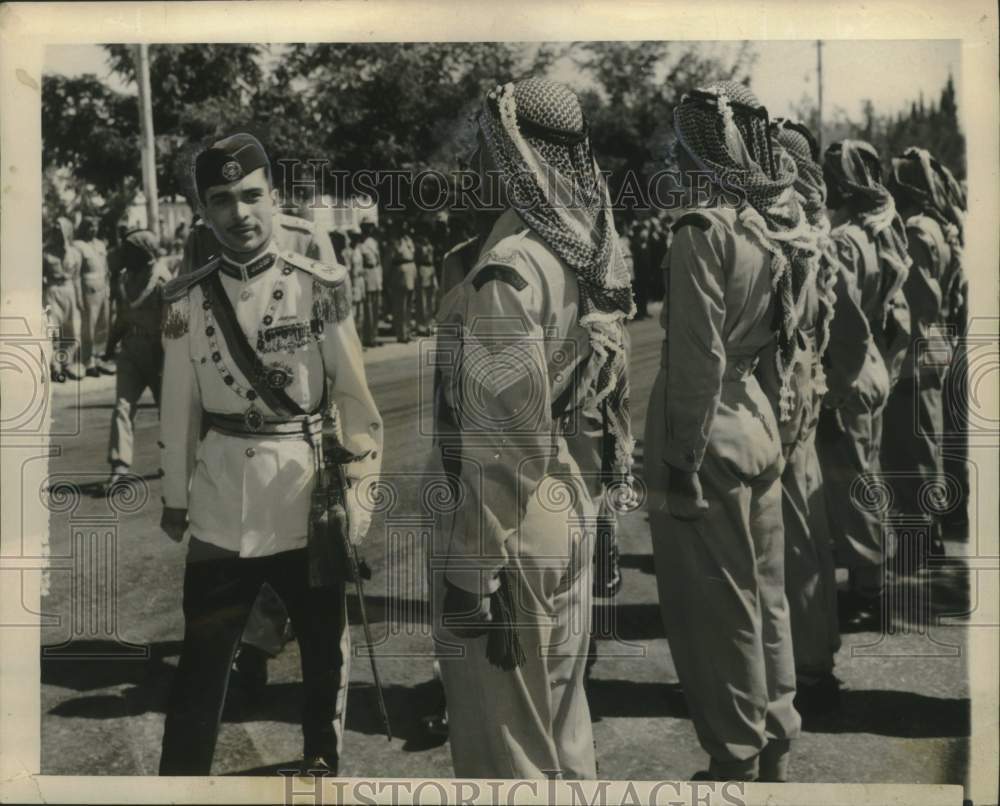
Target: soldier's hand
(684,495)
(466,615)
(174,523)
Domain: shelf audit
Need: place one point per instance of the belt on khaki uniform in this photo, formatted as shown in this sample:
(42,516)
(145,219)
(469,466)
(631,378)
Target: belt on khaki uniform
(305,426)
(739,366)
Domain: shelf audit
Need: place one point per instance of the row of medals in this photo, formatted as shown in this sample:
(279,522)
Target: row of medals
(275,376)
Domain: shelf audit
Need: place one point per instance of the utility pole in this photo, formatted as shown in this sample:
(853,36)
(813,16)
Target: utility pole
(148,146)
(819,85)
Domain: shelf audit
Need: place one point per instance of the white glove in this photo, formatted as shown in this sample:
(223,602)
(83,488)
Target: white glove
(359,513)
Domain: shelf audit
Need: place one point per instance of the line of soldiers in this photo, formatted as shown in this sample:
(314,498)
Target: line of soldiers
(79,291)
(799,318)
(788,331)
(801,307)
(400,277)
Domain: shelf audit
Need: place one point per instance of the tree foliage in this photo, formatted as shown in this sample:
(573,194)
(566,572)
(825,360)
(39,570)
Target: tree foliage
(90,144)
(401,106)
(636,86)
(934,127)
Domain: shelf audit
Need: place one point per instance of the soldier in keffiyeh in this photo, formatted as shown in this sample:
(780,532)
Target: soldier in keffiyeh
(713,448)
(832,366)
(955,301)
(871,244)
(868,227)
(533,422)
(912,442)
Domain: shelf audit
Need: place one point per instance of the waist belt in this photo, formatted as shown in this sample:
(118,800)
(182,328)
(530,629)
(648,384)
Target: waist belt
(739,366)
(305,426)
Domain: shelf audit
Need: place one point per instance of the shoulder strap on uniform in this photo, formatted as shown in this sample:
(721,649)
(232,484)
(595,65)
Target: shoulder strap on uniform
(324,272)
(295,222)
(699,220)
(503,273)
(180,285)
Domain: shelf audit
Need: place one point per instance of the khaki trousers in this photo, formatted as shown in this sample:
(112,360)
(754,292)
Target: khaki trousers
(810,583)
(721,583)
(848,441)
(532,722)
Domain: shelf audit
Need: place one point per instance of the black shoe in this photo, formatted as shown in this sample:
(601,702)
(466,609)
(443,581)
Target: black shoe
(120,478)
(819,696)
(251,664)
(435,725)
(859,613)
(93,372)
(320,765)
(705,775)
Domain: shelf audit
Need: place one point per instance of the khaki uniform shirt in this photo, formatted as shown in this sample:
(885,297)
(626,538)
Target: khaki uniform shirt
(508,345)
(718,319)
(930,345)
(888,318)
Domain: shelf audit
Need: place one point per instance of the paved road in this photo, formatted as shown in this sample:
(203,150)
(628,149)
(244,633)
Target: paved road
(904,718)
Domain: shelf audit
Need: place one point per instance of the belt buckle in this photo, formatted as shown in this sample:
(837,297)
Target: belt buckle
(253,419)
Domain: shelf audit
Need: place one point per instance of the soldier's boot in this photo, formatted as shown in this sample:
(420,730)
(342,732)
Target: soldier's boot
(773,761)
(858,613)
(74,372)
(816,694)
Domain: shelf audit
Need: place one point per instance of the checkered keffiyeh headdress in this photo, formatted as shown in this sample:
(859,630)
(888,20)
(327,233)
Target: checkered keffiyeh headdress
(921,180)
(725,130)
(798,143)
(536,134)
(852,170)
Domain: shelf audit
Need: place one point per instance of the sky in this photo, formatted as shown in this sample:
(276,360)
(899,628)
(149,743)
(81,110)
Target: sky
(891,73)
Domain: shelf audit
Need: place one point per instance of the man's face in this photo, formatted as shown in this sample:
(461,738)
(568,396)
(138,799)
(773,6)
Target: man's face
(241,213)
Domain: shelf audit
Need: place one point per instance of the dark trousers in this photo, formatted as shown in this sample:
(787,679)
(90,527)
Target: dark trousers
(373,300)
(219,591)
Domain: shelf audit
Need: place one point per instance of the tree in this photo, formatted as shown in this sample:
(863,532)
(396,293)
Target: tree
(199,92)
(934,127)
(385,107)
(90,144)
(637,85)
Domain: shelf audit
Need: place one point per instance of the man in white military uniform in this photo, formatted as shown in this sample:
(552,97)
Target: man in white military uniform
(252,341)
(536,339)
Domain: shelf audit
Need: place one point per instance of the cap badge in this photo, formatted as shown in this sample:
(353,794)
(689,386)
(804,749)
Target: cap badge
(231,171)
